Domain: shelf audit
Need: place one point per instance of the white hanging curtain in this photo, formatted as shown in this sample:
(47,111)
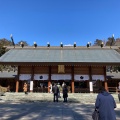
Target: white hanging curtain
(41,76)
(25,77)
(98,77)
(61,77)
(81,77)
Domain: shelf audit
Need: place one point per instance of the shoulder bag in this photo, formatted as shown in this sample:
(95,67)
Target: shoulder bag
(95,115)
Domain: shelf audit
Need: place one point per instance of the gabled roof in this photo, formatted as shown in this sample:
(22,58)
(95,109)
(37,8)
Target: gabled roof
(59,55)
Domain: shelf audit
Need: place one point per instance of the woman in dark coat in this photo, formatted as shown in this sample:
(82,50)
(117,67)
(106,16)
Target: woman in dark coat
(119,91)
(105,103)
(65,93)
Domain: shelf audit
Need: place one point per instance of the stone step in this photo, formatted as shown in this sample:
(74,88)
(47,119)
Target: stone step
(48,97)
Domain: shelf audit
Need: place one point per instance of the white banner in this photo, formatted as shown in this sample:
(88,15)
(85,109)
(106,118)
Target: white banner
(91,86)
(61,77)
(98,77)
(81,77)
(31,85)
(25,77)
(41,76)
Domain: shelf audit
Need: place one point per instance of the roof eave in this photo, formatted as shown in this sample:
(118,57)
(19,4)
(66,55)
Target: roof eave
(62,63)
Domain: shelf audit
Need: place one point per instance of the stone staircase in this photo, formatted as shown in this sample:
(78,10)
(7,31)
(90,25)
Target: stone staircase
(48,97)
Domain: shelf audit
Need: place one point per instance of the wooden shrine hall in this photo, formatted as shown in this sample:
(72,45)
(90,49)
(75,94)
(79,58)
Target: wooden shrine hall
(82,69)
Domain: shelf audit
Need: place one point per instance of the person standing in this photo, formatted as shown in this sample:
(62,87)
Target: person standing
(119,91)
(65,93)
(105,104)
(55,90)
(50,87)
(59,90)
(63,84)
(25,88)
(41,85)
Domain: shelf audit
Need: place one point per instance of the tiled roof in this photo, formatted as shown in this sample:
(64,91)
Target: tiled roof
(61,56)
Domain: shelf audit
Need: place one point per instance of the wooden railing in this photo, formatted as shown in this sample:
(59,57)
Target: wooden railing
(38,89)
(112,89)
(85,90)
(82,90)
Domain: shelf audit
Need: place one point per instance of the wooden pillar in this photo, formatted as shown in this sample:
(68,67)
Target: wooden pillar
(17,85)
(105,83)
(90,81)
(17,81)
(32,77)
(90,73)
(72,82)
(49,80)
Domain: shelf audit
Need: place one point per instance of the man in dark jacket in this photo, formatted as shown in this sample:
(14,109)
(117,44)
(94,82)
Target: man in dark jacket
(55,93)
(65,93)
(119,91)
(105,104)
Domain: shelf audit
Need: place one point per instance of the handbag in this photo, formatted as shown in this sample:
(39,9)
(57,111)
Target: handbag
(95,115)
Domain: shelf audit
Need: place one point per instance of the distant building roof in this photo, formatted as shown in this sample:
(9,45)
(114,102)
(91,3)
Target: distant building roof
(6,74)
(61,56)
(117,42)
(113,75)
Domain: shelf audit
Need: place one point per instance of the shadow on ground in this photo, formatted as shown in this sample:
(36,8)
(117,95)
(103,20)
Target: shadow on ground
(46,111)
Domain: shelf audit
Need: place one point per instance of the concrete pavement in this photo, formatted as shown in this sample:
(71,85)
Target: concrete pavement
(48,97)
(48,111)
(27,107)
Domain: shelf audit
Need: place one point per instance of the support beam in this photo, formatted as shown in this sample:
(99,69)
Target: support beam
(17,85)
(90,73)
(32,77)
(17,81)
(90,82)
(72,82)
(49,80)
(105,83)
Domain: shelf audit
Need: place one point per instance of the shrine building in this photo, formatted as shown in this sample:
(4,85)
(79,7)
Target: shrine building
(83,69)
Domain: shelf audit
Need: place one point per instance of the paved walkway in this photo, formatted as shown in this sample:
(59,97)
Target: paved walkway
(22,107)
(48,97)
(48,111)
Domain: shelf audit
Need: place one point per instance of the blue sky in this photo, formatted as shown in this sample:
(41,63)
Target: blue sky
(56,21)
